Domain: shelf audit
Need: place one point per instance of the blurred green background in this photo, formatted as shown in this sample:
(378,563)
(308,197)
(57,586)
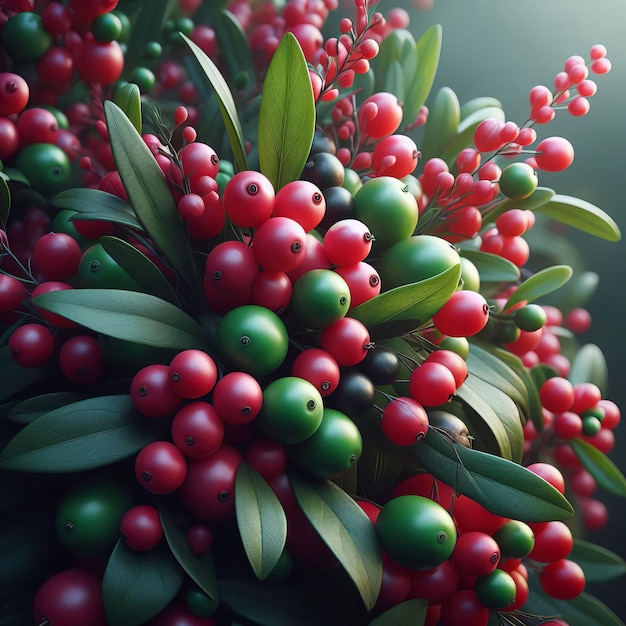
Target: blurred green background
(503,48)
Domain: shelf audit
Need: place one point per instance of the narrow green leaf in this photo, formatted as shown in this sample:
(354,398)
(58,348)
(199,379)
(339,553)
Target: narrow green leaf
(394,80)
(478,104)
(138,585)
(149,194)
(93,204)
(443,119)
(582,215)
(30,409)
(275,605)
(427,51)
(501,486)
(128,98)
(133,316)
(492,267)
(234,48)
(584,610)
(540,284)
(79,436)
(415,303)
(589,366)
(261,520)
(286,115)
(226,103)
(139,267)
(5,202)
(606,473)
(598,563)
(200,569)
(409,613)
(346,530)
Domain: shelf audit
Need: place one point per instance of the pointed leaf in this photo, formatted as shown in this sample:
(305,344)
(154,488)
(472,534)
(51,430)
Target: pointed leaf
(582,215)
(346,530)
(606,473)
(444,116)
(501,486)
(93,204)
(234,48)
(492,267)
(598,563)
(199,568)
(138,585)
(409,613)
(394,80)
(415,303)
(287,114)
(30,409)
(83,435)
(128,98)
(540,284)
(478,104)
(261,520)
(275,605)
(139,267)
(226,104)
(427,52)
(138,317)
(149,193)
(589,366)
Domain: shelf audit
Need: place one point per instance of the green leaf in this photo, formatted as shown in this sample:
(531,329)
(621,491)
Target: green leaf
(234,48)
(14,377)
(226,103)
(479,104)
(275,605)
(30,409)
(492,267)
(133,316)
(501,486)
(443,119)
(128,98)
(598,563)
(346,530)
(286,115)
(606,473)
(582,215)
(589,366)
(79,436)
(200,569)
(139,585)
(93,204)
(427,52)
(5,202)
(394,80)
(261,520)
(584,610)
(409,613)
(149,194)
(540,284)
(139,267)
(415,303)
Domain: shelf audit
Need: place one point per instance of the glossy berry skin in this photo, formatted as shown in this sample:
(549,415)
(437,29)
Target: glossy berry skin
(464,314)
(249,199)
(141,527)
(197,429)
(496,590)
(160,467)
(279,244)
(71,597)
(563,579)
(12,293)
(302,201)
(404,421)
(319,367)
(347,340)
(432,384)
(31,345)
(56,256)
(14,94)
(476,553)
(81,360)
(152,393)
(237,397)
(192,373)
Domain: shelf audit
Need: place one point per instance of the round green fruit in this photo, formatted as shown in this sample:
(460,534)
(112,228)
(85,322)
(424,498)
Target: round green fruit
(389,209)
(46,166)
(99,270)
(416,532)
(252,339)
(518,181)
(496,590)
(320,298)
(331,450)
(88,518)
(414,259)
(24,37)
(292,410)
(516,539)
